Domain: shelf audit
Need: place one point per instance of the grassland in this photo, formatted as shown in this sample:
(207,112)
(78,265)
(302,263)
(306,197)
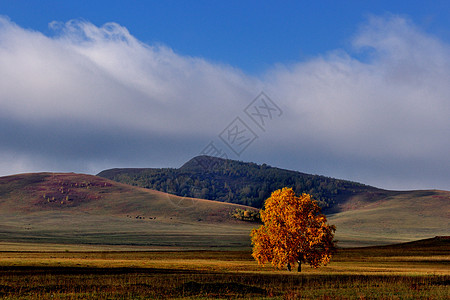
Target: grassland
(408,271)
(398,217)
(64,211)
(76,209)
(74,236)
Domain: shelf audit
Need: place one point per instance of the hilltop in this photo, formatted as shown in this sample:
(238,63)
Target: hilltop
(241,182)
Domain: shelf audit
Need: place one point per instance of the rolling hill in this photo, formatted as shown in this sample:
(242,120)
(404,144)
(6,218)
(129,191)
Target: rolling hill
(364,215)
(48,208)
(77,211)
(398,217)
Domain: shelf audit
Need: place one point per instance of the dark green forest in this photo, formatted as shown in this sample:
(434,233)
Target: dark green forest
(235,182)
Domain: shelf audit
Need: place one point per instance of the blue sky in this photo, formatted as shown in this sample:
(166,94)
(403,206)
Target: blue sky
(361,86)
(250,35)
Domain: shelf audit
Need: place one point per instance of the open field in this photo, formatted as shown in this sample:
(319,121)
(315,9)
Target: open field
(72,236)
(408,271)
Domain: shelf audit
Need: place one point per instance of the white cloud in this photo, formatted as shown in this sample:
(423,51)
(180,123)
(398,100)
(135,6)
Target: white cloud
(100,97)
(396,104)
(104,75)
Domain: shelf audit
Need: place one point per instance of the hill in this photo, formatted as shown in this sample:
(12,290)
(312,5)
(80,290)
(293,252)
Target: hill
(78,211)
(241,182)
(399,217)
(364,215)
(84,209)
(437,244)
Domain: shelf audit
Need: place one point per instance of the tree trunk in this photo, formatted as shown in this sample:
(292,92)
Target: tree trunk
(289,267)
(300,258)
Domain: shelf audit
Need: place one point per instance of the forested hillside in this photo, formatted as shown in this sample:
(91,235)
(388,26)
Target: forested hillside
(237,182)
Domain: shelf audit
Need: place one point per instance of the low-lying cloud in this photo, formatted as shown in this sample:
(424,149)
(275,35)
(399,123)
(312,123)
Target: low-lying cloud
(93,97)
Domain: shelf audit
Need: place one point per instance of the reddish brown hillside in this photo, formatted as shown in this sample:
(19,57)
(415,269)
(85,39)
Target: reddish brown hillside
(60,190)
(85,209)
(72,192)
(53,190)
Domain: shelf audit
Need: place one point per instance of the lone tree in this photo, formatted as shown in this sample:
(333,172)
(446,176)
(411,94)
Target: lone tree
(294,231)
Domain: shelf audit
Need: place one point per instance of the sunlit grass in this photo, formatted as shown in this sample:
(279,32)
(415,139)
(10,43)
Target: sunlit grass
(345,262)
(353,273)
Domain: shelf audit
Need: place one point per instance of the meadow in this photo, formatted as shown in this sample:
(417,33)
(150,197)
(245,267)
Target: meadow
(74,236)
(417,270)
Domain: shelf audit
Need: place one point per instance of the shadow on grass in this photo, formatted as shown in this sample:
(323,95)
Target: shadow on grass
(39,270)
(30,282)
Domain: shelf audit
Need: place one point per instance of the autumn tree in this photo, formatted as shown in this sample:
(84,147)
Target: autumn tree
(294,231)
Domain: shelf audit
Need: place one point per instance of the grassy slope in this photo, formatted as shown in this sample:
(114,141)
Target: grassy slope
(84,209)
(394,217)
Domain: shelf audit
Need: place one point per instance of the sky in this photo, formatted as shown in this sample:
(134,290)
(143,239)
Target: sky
(355,90)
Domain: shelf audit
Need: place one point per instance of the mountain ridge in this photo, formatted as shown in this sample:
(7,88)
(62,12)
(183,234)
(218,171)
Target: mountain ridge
(243,183)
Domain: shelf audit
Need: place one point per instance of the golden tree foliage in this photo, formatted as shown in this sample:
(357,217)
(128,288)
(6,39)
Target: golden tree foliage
(294,231)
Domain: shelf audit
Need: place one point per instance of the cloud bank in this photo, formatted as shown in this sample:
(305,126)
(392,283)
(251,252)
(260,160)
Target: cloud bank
(90,97)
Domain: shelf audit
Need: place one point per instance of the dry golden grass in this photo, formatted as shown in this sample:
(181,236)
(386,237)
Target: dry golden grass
(386,273)
(347,261)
